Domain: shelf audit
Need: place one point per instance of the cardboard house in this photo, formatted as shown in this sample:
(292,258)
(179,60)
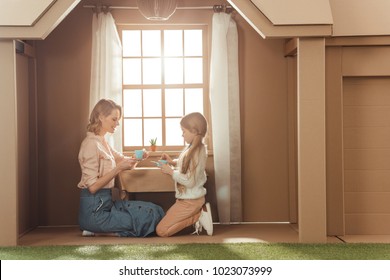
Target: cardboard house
(315,111)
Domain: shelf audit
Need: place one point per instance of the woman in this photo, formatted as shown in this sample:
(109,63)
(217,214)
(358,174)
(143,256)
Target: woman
(100,164)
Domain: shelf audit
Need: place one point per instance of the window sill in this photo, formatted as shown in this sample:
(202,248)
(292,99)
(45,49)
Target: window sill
(157,154)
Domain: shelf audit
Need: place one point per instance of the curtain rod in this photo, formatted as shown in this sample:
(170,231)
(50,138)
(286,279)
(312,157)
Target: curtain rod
(216,8)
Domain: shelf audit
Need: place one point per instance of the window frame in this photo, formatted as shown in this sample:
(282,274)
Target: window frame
(163,86)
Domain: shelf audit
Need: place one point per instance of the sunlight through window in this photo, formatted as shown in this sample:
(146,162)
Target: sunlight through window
(163,79)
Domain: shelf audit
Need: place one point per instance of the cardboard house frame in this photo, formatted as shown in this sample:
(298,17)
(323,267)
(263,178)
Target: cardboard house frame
(325,51)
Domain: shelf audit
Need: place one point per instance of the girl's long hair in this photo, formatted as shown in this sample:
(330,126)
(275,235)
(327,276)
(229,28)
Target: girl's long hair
(197,124)
(103,108)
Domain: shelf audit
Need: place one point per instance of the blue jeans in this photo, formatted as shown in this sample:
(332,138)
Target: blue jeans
(99,213)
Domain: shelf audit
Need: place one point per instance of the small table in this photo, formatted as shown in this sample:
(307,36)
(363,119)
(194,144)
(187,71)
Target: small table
(145,179)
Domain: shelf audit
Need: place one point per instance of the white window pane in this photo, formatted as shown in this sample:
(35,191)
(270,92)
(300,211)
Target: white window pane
(173,43)
(193,100)
(152,103)
(193,42)
(132,103)
(133,132)
(131,71)
(173,71)
(151,71)
(151,43)
(153,129)
(173,132)
(193,70)
(131,42)
(145,111)
(174,102)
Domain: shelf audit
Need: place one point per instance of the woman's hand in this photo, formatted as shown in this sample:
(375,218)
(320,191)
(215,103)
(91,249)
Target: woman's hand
(127,163)
(146,154)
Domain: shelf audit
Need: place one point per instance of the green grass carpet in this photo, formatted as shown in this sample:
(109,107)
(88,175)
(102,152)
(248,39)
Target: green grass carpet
(237,251)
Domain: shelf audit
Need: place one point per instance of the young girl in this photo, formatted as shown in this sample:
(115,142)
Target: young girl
(189,176)
(99,166)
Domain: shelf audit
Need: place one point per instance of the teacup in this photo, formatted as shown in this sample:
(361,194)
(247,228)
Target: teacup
(160,162)
(139,154)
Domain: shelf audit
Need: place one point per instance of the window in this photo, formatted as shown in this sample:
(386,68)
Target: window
(165,76)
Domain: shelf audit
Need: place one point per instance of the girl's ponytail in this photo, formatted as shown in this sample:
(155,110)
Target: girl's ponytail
(197,124)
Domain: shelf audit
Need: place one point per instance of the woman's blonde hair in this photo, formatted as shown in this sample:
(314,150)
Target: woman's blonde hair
(196,123)
(103,108)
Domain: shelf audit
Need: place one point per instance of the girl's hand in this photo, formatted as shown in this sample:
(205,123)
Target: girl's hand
(165,168)
(166,157)
(181,189)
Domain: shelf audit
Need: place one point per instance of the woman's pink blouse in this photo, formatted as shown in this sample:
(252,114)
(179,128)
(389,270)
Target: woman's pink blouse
(96,160)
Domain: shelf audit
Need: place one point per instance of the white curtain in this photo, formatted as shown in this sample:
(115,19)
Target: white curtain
(106,67)
(225,117)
